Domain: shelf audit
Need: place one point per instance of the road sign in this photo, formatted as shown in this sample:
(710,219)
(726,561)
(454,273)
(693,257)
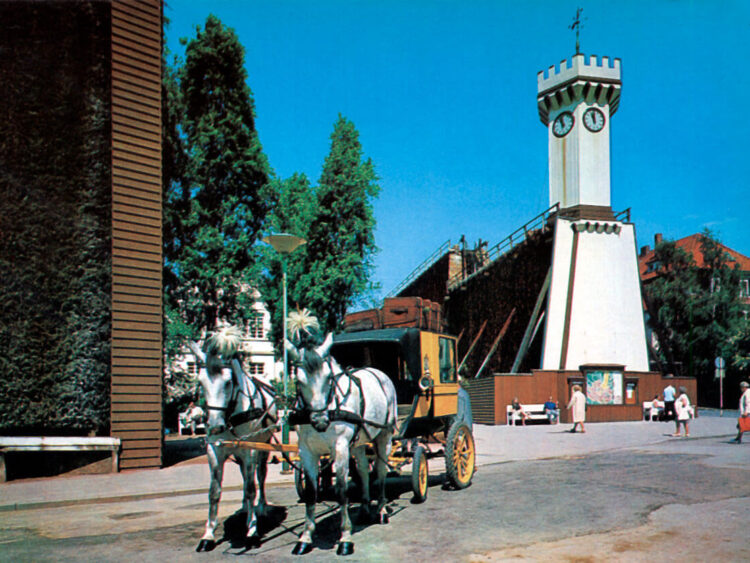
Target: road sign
(720,363)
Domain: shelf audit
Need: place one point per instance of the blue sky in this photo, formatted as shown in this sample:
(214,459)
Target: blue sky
(443,94)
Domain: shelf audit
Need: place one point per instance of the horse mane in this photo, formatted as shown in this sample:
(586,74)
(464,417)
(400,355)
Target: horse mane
(311,360)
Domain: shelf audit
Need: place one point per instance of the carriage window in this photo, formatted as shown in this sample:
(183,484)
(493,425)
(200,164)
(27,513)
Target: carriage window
(447,361)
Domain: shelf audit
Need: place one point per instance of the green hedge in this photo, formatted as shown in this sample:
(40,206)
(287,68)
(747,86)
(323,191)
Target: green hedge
(55,206)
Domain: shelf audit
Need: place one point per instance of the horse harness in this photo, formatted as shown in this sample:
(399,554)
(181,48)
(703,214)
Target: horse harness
(302,415)
(262,413)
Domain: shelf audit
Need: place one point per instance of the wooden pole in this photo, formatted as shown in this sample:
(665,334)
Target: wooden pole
(473,343)
(528,336)
(496,342)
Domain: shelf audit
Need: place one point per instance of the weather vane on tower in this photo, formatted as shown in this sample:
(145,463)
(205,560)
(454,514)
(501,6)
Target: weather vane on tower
(576,26)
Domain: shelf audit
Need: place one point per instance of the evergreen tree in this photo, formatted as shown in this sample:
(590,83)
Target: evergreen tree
(339,259)
(218,202)
(696,313)
(293,213)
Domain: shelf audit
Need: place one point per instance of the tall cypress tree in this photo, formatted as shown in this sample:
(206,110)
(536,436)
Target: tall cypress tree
(341,236)
(293,213)
(218,204)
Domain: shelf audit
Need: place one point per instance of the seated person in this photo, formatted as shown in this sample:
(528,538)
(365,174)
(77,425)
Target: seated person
(552,411)
(657,408)
(518,411)
(192,416)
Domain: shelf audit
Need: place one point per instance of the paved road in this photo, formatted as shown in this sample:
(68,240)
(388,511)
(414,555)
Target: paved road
(620,501)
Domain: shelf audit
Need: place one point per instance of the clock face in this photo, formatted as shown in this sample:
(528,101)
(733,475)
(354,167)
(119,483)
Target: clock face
(563,124)
(593,119)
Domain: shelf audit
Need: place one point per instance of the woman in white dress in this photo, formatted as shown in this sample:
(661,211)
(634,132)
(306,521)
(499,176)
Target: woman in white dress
(682,406)
(578,406)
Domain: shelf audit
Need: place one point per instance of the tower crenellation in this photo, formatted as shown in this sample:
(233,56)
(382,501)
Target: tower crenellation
(568,68)
(581,77)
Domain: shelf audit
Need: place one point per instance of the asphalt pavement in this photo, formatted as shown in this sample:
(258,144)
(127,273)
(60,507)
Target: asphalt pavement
(494,444)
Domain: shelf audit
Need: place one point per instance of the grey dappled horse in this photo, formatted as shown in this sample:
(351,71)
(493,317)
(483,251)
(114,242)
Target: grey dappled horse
(346,411)
(239,408)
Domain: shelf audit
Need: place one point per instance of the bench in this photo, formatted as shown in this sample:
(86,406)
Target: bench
(650,413)
(200,427)
(59,444)
(534,412)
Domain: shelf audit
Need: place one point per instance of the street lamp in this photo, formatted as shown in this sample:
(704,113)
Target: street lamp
(284,243)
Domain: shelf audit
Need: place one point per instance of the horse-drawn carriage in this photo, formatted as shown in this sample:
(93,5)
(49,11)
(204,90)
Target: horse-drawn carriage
(398,398)
(434,413)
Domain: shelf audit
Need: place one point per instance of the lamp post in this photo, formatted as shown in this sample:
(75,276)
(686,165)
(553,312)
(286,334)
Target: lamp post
(284,244)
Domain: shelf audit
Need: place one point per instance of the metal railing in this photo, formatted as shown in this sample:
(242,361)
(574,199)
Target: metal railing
(422,268)
(623,216)
(540,222)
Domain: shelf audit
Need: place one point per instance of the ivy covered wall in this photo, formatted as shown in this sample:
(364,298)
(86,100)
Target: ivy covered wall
(55,205)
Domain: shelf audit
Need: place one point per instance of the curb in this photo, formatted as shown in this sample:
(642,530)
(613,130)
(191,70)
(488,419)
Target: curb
(123,498)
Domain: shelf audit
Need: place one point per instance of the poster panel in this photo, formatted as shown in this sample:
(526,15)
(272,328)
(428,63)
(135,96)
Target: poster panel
(604,387)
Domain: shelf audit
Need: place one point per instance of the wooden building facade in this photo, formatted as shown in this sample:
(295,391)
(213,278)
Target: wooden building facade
(491,395)
(137,374)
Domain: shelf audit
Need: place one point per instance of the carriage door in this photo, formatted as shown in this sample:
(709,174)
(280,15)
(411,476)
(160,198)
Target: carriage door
(441,354)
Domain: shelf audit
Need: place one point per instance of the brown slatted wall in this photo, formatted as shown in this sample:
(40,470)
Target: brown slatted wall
(482,397)
(136,231)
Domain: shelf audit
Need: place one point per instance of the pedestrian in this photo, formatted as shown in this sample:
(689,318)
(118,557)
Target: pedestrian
(682,406)
(518,410)
(578,406)
(743,424)
(669,393)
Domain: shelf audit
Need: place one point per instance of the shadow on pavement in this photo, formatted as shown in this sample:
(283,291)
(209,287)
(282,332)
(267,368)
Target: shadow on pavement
(182,448)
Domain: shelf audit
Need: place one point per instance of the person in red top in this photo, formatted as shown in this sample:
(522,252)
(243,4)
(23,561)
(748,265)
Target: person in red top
(744,421)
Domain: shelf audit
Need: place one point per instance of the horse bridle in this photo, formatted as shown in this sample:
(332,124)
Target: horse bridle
(239,418)
(337,413)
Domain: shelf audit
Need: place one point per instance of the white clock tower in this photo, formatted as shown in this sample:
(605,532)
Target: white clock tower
(594,309)
(576,104)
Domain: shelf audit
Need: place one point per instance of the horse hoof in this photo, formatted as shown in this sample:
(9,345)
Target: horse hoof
(206,545)
(301,548)
(384,518)
(345,548)
(252,541)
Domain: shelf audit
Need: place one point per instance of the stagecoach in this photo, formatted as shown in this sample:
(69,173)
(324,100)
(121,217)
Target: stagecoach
(434,413)
(393,391)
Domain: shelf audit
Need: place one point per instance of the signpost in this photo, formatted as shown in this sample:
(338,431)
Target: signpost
(720,364)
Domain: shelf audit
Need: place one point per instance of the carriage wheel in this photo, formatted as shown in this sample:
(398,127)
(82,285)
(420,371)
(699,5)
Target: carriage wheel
(419,475)
(459,455)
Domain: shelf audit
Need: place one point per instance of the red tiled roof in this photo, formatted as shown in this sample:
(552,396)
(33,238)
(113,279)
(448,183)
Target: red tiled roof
(691,244)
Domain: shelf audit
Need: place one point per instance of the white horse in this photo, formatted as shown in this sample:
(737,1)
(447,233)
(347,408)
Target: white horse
(239,408)
(346,411)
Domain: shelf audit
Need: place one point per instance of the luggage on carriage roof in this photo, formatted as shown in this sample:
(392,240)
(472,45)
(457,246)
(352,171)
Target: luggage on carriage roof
(398,312)
(412,312)
(371,319)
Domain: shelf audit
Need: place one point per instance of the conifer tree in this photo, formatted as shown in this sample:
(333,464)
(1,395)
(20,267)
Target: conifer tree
(341,236)
(293,213)
(219,201)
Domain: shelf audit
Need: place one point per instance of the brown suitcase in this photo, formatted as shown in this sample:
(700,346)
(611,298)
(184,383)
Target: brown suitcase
(432,314)
(401,312)
(363,320)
